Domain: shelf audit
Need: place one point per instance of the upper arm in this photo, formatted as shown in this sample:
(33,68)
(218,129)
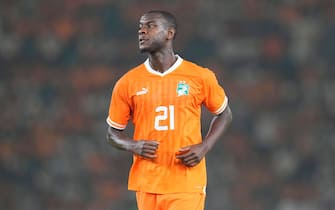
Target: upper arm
(215,98)
(119,108)
(227,114)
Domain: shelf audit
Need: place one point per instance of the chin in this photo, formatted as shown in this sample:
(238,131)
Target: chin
(145,50)
(150,48)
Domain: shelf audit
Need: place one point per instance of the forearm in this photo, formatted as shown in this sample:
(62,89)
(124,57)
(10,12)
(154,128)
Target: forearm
(119,140)
(217,128)
(144,148)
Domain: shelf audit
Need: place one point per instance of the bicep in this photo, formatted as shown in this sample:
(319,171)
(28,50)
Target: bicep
(119,109)
(215,98)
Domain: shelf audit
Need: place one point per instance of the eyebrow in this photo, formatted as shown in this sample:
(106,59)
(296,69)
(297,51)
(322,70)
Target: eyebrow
(148,22)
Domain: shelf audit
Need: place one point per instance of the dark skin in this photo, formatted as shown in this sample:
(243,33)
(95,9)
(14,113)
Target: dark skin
(156,39)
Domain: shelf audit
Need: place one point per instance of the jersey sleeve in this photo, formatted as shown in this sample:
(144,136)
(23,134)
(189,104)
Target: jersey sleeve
(119,109)
(215,98)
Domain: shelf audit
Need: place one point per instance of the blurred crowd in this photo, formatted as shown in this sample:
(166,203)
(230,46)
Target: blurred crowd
(60,59)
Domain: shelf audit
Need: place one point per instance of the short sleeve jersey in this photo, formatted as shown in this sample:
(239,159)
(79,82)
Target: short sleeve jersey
(166,107)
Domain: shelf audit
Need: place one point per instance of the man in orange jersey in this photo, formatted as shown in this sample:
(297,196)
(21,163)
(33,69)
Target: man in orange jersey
(163,98)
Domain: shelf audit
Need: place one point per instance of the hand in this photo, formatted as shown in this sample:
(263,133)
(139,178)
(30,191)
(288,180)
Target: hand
(191,155)
(146,148)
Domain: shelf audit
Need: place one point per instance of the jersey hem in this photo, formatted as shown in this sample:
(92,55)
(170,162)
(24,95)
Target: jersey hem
(222,107)
(202,191)
(114,124)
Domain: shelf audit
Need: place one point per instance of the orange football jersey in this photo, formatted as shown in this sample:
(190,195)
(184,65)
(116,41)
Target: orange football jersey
(166,107)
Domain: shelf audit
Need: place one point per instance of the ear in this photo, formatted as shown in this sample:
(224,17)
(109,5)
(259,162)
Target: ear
(171,33)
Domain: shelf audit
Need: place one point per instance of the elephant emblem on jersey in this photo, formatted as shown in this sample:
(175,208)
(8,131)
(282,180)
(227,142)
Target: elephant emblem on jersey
(182,88)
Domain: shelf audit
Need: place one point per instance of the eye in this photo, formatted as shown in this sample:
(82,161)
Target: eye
(151,25)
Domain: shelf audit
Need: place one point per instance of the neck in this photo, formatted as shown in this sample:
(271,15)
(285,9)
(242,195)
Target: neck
(162,61)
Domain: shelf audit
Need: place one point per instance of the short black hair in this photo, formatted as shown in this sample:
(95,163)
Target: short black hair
(170,18)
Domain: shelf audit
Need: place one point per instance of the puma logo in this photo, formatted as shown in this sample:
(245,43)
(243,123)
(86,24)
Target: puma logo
(142,92)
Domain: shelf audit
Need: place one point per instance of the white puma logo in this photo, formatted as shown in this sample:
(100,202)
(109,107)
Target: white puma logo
(142,92)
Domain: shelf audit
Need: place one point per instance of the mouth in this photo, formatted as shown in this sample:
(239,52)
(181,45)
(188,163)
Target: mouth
(141,41)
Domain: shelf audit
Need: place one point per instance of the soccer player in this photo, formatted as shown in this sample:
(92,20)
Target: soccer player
(163,98)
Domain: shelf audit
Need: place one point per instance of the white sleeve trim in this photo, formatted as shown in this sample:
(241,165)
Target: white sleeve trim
(114,124)
(222,107)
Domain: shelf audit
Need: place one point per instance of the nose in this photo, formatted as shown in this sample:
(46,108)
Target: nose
(142,30)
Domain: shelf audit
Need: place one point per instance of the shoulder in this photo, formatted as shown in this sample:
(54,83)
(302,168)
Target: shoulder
(198,70)
(133,73)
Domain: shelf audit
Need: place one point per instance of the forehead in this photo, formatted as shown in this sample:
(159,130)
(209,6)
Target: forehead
(152,17)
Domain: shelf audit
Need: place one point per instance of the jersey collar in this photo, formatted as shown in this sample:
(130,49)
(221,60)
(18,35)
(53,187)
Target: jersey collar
(171,69)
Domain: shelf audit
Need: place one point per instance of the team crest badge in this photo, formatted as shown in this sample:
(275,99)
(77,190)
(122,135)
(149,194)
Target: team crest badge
(182,88)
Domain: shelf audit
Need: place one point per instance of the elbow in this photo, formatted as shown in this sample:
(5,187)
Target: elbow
(113,141)
(114,138)
(110,137)
(230,115)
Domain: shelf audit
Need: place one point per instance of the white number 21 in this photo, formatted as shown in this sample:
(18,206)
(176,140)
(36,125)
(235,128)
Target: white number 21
(167,115)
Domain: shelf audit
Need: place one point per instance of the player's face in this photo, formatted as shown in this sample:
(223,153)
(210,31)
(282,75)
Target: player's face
(152,33)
